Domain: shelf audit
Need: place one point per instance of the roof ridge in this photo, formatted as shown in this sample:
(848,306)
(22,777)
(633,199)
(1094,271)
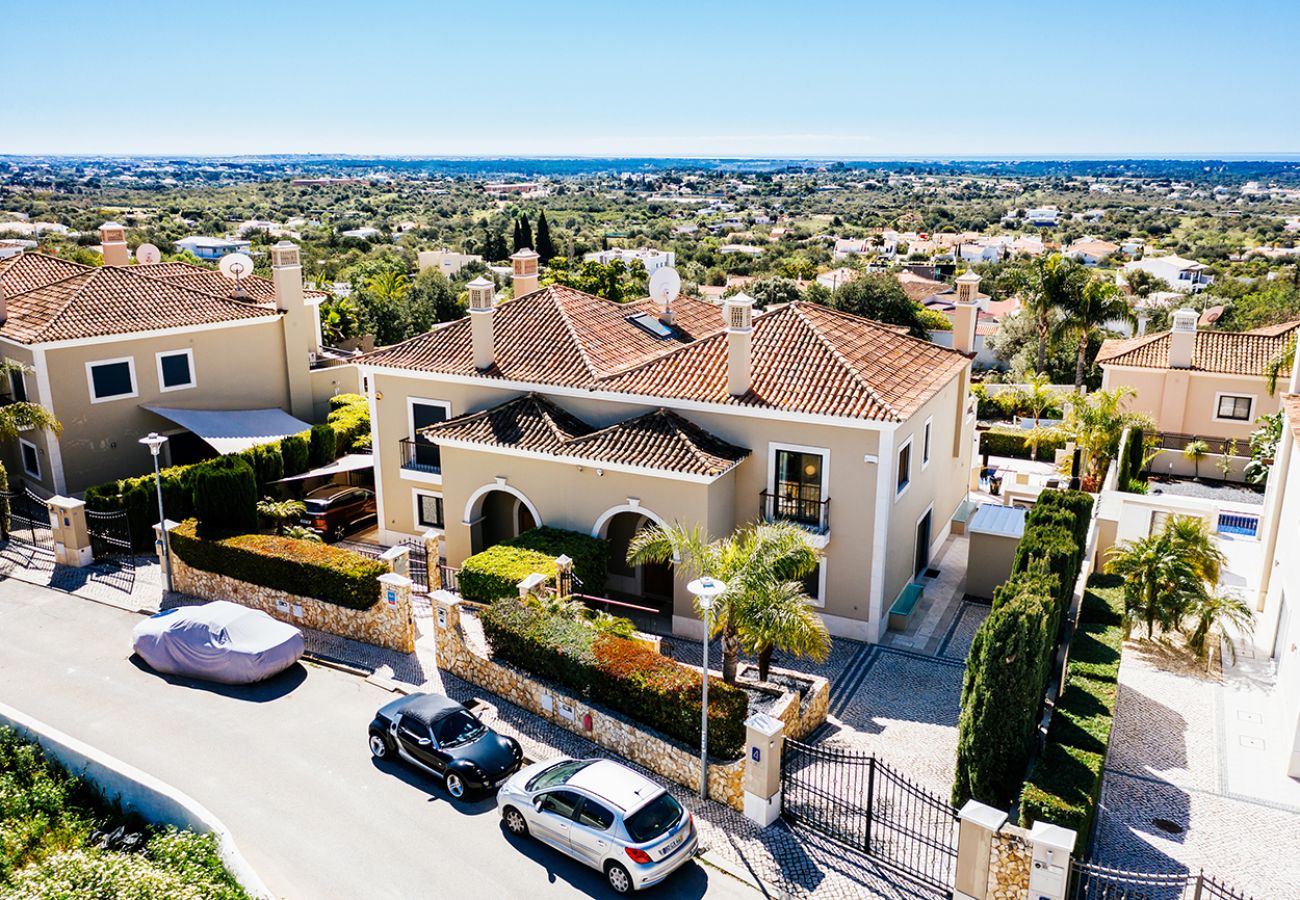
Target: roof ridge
(842,360)
(548,410)
(681,433)
(569,326)
(63,308)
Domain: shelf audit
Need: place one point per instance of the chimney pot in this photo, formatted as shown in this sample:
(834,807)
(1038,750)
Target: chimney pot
(112,240)
(738,314)
(482,303)
(1182,338)
(524,271)
(284,254)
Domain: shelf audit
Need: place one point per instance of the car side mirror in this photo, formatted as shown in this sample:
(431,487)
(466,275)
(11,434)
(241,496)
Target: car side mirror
(537,804)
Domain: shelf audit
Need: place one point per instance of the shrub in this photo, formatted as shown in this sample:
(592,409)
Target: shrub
(590,555)
(296,453)
(225,496)
(339,401)
(1083,715)
(1103,601)
(350,418)
(322,445)
(497,571)
(267,463)
(139,497)
(1055,546)
(1095,651)
(617,673)
(1062,789)
(303,568)
(1011,442)
(1078,502)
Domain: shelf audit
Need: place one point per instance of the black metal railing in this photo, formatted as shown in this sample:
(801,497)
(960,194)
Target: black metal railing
(812,513)
(1169,440)
(1090,881)
(447,578)
(421,456)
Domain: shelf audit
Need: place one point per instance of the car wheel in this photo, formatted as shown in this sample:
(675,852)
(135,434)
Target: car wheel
(378,746)
(515,823)
(619,880)
(455,785)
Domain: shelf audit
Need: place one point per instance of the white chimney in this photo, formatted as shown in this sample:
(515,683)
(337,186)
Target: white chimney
(298,323)
(112,238)
(738,313)
(482,303)
(966,313)
(1182,338)
(524,277)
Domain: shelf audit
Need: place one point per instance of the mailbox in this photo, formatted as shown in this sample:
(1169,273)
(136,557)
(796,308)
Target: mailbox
(1049,873)
(764,737)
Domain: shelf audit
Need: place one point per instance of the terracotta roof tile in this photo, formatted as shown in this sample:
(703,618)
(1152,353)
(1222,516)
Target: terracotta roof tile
(656,440)
(1225,352)
(257,288)
(28,271)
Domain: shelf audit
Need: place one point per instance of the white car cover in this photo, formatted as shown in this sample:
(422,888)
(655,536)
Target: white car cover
(218,641)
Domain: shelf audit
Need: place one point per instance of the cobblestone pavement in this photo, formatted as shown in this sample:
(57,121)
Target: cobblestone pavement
(1164,806)
(138,588)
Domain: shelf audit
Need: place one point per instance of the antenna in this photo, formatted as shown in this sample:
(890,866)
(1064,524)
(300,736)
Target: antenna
(148,255)
(236,266)
(665,284)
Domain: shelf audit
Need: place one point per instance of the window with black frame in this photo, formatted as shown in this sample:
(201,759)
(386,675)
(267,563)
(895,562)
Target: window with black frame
(798,487)
(427,455)
(1235,408)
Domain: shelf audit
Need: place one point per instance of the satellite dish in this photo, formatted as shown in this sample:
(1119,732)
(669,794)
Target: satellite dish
(236,266)
(665,285)
(148,255)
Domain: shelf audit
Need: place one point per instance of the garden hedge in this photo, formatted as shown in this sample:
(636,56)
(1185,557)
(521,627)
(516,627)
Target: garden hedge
(1063,790)
(303,568)
(225,497)
(350,418)
(322,441)
(590,555)
(617,673)
(497,571)
(1011,442)
(296,453)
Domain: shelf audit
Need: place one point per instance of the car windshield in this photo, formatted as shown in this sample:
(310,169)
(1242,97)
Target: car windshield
(559,773)
(653,819)
(459,728)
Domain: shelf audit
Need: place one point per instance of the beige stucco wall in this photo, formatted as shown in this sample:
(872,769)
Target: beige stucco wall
(989,562)
(568,498)
(1182,401)
(327,382)
(240,367)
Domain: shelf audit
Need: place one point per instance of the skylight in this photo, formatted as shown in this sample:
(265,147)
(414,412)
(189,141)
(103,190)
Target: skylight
(651,324)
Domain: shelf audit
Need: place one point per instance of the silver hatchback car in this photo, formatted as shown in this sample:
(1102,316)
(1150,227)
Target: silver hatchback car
(602,814)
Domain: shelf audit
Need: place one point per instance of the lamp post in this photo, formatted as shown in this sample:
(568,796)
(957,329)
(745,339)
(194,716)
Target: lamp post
(705,590)
(154,442)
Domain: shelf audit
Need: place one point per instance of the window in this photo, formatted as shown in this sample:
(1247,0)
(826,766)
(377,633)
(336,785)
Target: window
(797,486)
(31,458)
(925,444)
(1234,407)
(561,803)
(904,466)
(814,584)
(458,728)
(412,730)
(18,386)
(422,414)
(111,379)
(176,370)
(595,816)
(653,819)
(428,510)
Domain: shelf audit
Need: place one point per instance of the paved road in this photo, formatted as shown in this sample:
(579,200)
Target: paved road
(285,765)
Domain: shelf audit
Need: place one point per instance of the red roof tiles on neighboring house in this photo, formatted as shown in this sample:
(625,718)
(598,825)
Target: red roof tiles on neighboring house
(1225,352)
(28,271)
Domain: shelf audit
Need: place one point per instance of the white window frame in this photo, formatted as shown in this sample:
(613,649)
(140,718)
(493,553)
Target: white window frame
(820,600)
(416,494)
(927,442)
(158,362)
(823,452)
(90,379)
(22,458)
(899,491)
(1218,400)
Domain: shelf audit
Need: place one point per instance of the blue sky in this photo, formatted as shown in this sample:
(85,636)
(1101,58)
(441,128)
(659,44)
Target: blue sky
(702,78)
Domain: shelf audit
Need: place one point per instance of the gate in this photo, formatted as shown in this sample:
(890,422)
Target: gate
(110,541)
(1090,881)
(417,555)
(855,799)
(29,534)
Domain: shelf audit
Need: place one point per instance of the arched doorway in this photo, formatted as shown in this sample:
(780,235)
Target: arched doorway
(497,514)
(648,582)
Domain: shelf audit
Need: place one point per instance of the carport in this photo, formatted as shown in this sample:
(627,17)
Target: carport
(232,430)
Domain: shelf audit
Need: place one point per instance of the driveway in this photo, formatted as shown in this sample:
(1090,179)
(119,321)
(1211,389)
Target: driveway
(285,765)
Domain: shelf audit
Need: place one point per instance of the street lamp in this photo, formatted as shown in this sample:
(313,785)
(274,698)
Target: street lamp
(705,590)
(154,442)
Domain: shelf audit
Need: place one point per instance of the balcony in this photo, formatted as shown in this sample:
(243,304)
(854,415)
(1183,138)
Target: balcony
(420,457)
(812,514)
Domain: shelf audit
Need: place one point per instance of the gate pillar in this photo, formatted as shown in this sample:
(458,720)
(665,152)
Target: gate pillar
(70,533)
(978,824)
(398,559)
(433,558)
(765,740)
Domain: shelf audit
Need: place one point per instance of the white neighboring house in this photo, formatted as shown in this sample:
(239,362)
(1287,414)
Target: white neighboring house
(1043,216)
(32,229)
(212,247)
(365,233)
(836,277)
(1091,251)
(650,257)
(746,249)
(1184,275)
(448,262)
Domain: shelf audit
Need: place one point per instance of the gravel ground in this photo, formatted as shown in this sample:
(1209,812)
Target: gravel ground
(1208,490)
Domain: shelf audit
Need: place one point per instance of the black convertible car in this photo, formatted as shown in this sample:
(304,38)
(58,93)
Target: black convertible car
(438,734)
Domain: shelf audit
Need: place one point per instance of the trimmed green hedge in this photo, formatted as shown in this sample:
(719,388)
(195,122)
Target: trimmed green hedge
(1095,650)
(296,453)
(350,418)
(590,555)
(1084,714)
(1103,600)
(1011,442)
(304,568)
(225,497)
(322,441)
(1063,790)
(497,571)
(617,673)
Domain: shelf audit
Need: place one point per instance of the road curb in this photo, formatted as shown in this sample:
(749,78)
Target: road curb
(727,867)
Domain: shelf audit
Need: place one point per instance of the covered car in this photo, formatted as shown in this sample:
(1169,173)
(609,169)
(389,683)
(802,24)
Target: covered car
(218,641)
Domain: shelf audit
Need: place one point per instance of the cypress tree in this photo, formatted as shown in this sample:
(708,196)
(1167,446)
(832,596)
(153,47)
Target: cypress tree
(545,249)
(518,240)
(525,233)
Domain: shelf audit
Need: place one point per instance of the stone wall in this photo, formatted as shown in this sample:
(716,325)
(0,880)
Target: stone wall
(1009,864)
(389,623)
(605,727)
(802,718)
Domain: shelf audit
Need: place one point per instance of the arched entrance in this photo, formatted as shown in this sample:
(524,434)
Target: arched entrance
(650,581)
(498,513)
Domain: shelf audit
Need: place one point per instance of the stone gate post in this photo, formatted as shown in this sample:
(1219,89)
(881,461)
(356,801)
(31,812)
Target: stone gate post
(764,742)
(70,532)
(395,595)
(977,826)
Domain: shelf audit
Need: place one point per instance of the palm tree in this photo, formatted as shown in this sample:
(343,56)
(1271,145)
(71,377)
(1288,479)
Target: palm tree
(1086,312)
(1191,536)
(1216,615)
(389,284)
(1037,396)
(282,513)
(1280,365)
(1161,582)
(1045,284)
(760,564)
(1195,451)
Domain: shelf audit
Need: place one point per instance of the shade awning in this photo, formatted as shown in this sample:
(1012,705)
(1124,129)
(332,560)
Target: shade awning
(352,462)
(232,430)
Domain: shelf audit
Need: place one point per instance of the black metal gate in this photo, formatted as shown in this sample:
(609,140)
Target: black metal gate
(859,801)
(417,556)
(29,537)
(110,542)
(1090,881)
